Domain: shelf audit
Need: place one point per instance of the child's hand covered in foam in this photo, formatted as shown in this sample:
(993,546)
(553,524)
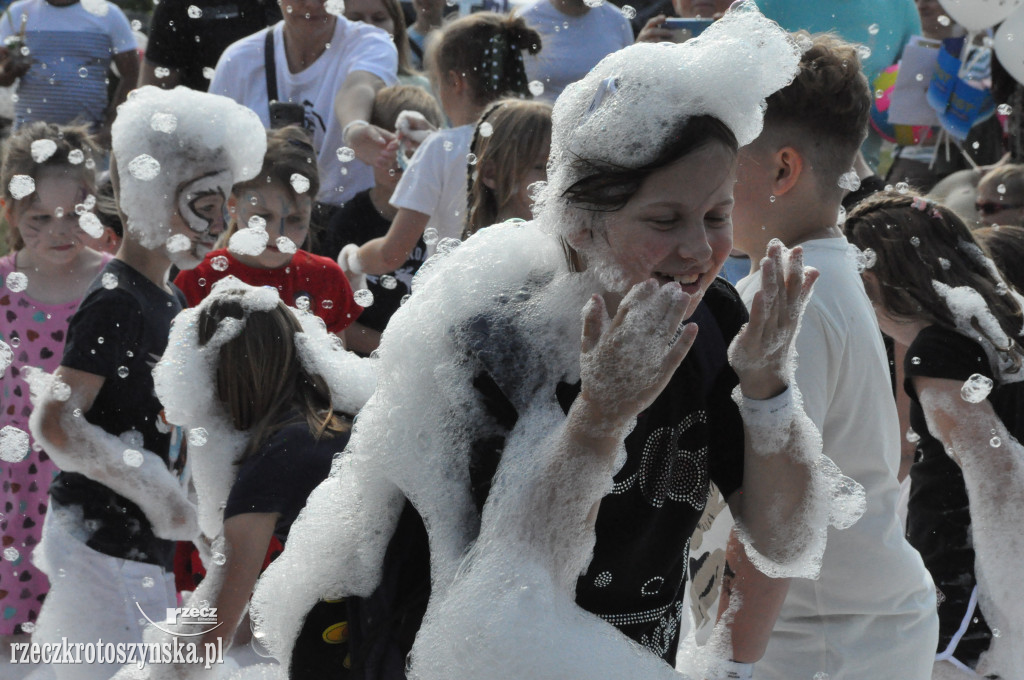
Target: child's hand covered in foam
(762,352)
(627,360)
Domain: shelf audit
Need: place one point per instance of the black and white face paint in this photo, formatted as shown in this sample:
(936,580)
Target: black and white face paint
(202,203)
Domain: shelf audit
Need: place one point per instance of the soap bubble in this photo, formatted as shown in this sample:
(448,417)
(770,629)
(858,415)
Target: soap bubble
(447,245)
(448,146)
(388,282)
(144,167)
(302,302)
(864,52)
(60,390)
(17,282)
(133,458)
(902,187)
(912,436)
(6,356)
(11,554)
(345,154)
(300,183)
(257,222)
(148,582)
(1001,189)
(976,388)
(109,281)
(486,129)
(133,439)
(21,186)
(219,263)
(43,149)
(208,72)
(1004,109)
(164,122)
(821,675)
(13,444)
(471,159)
(248,242)
(915,241)
(593,3)
(76,156)
(136,24)
(849,181)
(873,29)
(327,304)
(286,245)
(194,12)
(28,627)
(629,12)
(83,72)
(363,297)
(122,371)
(90,224)
(161,71)
(90,201)
(536,88)
(198,436)
(430,236)
(178,243)
(995,442)
(218,558)
(944,20)
(916,361)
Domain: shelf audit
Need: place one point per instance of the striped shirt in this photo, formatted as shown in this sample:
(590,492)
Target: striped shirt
(70,50)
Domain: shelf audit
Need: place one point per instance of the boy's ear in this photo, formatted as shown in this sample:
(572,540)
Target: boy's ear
(487,176)
(457,81)
(788,167)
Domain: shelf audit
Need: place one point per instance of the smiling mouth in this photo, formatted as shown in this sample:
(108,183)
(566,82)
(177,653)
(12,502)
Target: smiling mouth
(684,280)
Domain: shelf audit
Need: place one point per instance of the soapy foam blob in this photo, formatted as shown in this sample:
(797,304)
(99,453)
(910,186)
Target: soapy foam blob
(13,444)
(91,225)
(144,167)
(17,282)
(42,150)
(213,133)
(21,186)
(976,388)
(300,183)
(164,122)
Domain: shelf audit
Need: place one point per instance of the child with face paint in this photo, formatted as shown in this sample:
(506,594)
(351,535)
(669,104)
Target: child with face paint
(47,272)
(272,203)
(118,503)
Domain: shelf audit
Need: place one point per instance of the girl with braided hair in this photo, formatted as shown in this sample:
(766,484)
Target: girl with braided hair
(936,293)
(476,60)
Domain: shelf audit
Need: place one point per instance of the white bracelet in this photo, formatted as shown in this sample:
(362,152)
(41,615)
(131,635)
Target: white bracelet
(731,670)
(768,421)
(344,130)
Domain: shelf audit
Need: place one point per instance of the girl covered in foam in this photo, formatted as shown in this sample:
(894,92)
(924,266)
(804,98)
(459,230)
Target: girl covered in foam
(936,293)
(267,396)
(590,462)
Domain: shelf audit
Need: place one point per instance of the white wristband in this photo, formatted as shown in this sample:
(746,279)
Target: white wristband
(344,130)
(348,259)
(768,421)
(731,670)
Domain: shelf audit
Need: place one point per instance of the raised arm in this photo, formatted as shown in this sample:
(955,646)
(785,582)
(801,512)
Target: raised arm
(76,445)
(353,105)
(386,253)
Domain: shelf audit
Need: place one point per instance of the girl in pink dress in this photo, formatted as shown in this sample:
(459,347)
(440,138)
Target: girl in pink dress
(47,180)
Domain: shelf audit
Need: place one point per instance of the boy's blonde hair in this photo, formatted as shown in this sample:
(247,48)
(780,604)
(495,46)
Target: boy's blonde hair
(391,101)
(520,130)
(18,160)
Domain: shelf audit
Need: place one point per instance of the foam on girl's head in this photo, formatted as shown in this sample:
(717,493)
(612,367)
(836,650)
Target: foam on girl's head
(623,112)
(163,138)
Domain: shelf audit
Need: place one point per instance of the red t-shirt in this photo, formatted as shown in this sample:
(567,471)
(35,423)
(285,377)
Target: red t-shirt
(317,278)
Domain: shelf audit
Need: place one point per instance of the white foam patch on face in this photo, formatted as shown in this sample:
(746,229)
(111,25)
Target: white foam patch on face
(42,150)
(91,225)
(248,241)
(300,183)
(212,133)
(178,243)
(21,186)
(285,245)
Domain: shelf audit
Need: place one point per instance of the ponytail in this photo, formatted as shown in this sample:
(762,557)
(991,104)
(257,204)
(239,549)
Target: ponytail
(487,49)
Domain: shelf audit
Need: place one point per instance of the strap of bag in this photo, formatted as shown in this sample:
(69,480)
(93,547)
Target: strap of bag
(268,56)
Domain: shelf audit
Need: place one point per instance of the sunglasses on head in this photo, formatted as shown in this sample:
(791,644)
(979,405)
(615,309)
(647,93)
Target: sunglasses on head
(992,207)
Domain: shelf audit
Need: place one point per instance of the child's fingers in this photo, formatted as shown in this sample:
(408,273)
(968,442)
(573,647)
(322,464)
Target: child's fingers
(680,348)
(594,315)
(636,297)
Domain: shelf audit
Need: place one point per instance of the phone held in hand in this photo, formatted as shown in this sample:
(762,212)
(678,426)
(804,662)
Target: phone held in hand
(684,29)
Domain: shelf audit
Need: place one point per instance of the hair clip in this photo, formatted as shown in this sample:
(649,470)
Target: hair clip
(921,203)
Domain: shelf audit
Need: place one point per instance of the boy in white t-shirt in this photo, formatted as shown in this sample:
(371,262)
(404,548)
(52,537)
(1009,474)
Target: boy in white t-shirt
(576,37)
(63,74)
(871,613)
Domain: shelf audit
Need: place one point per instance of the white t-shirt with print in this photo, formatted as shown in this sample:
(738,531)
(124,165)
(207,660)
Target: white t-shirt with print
(571,46)
(355,46)
(436,181)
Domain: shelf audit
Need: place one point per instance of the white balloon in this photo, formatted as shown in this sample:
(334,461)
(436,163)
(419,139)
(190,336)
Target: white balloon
(976,15)
(1009,45)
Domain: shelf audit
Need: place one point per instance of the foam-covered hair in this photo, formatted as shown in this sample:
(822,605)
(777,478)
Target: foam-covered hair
(162,138)
(623,111)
